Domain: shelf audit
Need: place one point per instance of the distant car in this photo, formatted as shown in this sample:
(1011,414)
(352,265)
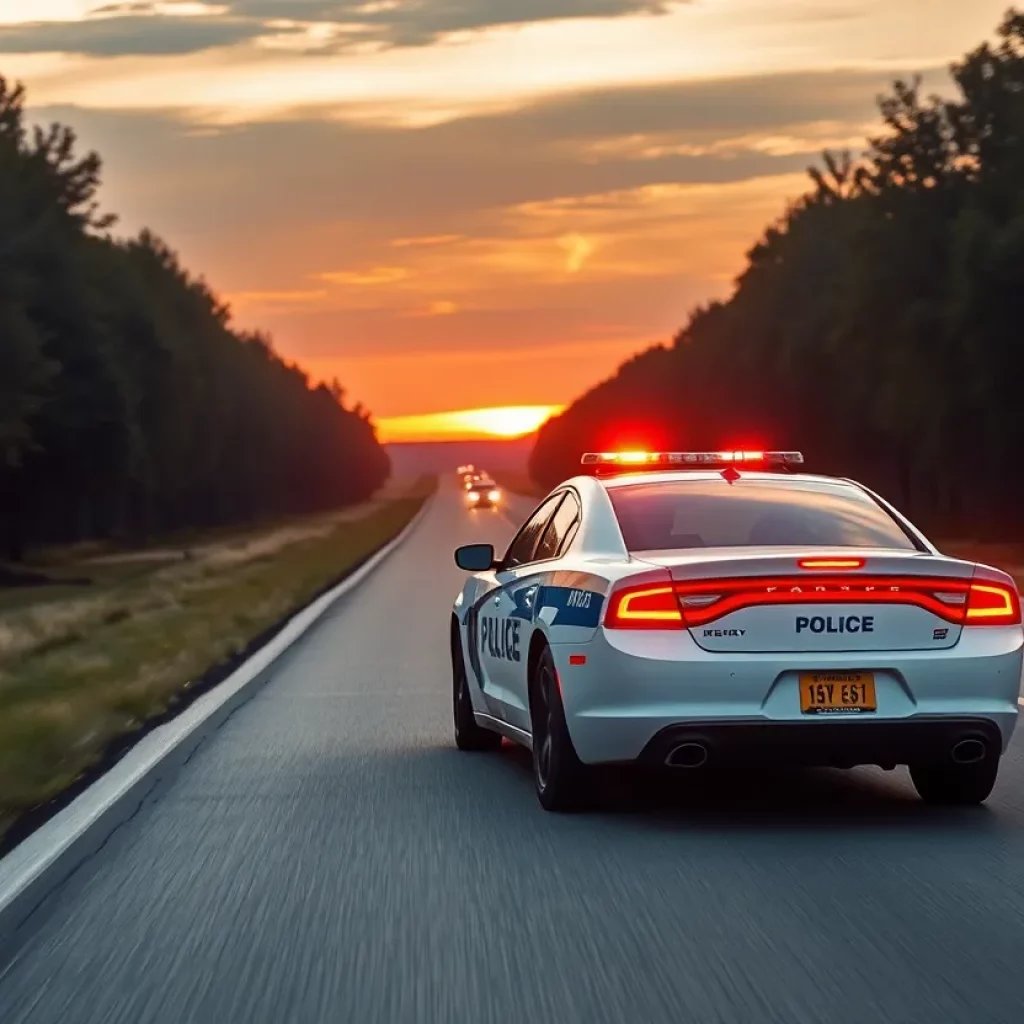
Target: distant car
(477,478)
(698,608)
(483,494)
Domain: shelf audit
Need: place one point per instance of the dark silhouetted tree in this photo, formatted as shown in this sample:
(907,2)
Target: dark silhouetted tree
(877,325)
(129,405)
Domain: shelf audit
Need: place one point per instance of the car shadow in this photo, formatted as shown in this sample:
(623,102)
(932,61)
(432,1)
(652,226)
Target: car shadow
(800,800)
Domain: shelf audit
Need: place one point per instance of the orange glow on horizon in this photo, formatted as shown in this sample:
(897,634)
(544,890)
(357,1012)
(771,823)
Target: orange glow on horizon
(506,421)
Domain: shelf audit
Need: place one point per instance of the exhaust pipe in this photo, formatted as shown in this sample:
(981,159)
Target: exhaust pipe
(687,755)
(969,751)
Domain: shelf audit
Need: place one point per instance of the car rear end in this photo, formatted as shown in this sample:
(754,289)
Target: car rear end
(791,620)
(483,494)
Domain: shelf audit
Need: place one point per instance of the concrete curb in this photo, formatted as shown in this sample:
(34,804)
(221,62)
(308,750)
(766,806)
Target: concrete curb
(49,856)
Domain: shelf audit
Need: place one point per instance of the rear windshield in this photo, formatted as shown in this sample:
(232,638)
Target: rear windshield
(715,513)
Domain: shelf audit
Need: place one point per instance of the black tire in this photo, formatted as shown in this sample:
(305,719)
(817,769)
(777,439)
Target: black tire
(468,735)
(558,774)
(955,784)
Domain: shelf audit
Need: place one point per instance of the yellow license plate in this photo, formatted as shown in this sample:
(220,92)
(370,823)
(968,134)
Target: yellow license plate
(837,693)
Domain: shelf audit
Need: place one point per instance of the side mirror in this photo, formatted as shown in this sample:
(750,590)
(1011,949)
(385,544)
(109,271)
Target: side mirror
(475,557)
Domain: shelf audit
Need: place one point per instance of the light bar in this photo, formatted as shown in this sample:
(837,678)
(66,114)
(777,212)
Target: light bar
(635,460)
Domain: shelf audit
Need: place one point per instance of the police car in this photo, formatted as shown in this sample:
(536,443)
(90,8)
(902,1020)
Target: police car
(690,609)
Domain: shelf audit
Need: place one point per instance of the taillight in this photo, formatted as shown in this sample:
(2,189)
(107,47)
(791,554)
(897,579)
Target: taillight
(654,602)
(704,601)
(992,604)
(649,605)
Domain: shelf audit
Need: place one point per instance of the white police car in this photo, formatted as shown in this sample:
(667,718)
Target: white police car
(695,608)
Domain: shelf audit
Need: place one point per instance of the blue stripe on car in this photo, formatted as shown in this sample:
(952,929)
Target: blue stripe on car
(573,606)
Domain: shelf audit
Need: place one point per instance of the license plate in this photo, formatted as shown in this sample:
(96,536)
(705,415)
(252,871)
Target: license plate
(837,693)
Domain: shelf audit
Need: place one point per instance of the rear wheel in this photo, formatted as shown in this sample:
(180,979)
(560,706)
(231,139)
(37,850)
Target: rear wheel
(558,774)
(468,735)
(955,783)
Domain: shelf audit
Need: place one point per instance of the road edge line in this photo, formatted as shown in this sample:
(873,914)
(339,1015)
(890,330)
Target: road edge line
(48,857)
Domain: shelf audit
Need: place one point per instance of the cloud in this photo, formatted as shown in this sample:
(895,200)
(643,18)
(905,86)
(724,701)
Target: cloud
(130,34)
(291,298)
(164,27)
(404,23)
(347,194)
(362,278)
(489,213)
(424,240)
(181,8)
(578,248)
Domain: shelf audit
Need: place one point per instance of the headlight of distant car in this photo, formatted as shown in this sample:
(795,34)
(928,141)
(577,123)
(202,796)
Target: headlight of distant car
(474,496)
(494,495)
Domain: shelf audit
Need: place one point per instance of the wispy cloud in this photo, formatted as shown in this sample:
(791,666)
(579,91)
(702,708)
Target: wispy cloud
(578,248)
(487,72)
(415,24)
(146,27)
(180,8)
(159,28)
(365,278)
(780,141)
(290,298)
(442,307)
(424,241)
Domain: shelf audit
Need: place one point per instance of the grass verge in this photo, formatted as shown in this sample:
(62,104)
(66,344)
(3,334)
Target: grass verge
(83,675)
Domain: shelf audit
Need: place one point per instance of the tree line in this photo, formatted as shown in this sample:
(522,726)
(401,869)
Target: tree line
(878,326)
(129,404)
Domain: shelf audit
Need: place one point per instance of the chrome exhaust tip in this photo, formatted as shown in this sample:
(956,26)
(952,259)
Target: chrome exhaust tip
(687,755)
(969,751)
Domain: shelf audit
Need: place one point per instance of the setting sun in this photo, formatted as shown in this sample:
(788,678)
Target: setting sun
(465,424)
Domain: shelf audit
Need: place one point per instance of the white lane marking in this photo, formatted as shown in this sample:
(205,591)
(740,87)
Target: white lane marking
(49,855)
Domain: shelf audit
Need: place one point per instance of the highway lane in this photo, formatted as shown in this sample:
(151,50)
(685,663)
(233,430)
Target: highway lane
(328,856)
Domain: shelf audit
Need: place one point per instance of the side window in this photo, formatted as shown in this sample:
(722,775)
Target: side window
(570,534)
(559,530)
(523,544)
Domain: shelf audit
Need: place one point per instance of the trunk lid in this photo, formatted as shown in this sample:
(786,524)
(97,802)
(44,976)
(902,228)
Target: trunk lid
(751,600)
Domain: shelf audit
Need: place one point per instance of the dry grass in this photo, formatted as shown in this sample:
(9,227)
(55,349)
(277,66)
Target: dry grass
(77,673)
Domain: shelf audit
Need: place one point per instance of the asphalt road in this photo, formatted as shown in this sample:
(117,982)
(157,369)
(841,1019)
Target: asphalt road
(328,856)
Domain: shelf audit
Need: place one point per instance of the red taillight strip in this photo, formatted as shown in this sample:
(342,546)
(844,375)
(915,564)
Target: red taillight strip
(650,603)
(955,600)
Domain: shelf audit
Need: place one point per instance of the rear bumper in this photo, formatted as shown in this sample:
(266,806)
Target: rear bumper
(633,688)
(920,738)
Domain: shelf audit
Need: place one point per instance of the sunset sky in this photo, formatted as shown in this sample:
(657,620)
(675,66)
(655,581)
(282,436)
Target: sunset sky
(456,204)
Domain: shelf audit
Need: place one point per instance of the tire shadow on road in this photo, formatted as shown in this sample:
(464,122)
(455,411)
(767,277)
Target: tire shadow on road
(759,800)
